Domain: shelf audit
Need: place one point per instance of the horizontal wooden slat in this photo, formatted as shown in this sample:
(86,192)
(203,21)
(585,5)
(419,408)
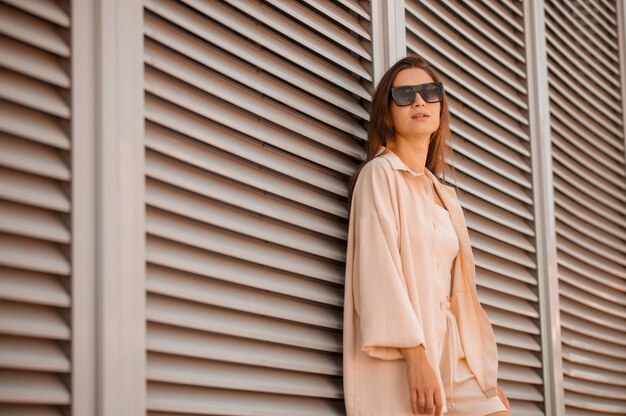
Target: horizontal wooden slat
(303,37)
(341,17)
(32,287)
(163,397)
(33,94)
(29,320)
(294,166)
(32,62)
(34,31)
(273,42)
(32,190)
(162,86)
(32,388)
(202,105)
(246,75)
(302,15)
(208,211)
(32,222)
(156,28)
(209,346)
(33,355)
(32,157)
(50,10)
(16,251)
(195,372)
(218,293)
(181,162)
(33,125)
(191,315)
(190,232)
(161,252)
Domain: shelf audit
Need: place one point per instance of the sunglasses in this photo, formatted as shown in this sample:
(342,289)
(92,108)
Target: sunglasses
(404,95)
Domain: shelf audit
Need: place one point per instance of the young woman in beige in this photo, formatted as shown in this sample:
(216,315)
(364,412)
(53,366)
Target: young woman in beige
(416,339)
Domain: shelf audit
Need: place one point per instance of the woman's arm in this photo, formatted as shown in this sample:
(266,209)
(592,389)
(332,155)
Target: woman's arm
(387,320)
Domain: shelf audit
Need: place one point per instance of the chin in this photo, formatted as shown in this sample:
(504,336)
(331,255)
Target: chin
(420,132)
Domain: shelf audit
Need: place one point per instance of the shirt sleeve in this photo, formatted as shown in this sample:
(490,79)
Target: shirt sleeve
(387,319)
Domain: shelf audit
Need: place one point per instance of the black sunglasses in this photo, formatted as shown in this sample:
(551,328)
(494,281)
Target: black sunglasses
(404,95)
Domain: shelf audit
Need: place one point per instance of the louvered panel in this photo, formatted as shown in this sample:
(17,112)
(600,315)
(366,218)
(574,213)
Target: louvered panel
(193,315)
(33,31)
(198,234)
(592,358)
(230,42)
(33,287)
(193,260)
(334,49)
(32,62)
(255,119)
(33,355)
(217,86)
(23,387)
(242,122)
(478,48)
(32,157)
(170,399)
(597,375)
(179,341)
(165,168)
(184,43)
(33,125)
(590,203)
(342,17)
(247,29)
(217,214)
(35,207)
(49,10)
(29,410)
(591,286)
(194,372)
(574,334)
(214,292)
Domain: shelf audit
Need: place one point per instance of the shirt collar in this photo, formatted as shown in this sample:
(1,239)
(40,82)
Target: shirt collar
(398,164)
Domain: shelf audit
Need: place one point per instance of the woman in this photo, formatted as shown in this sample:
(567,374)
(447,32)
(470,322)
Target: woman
(416,339)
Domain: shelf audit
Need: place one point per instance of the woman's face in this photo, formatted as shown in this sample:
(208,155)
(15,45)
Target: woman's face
(405,124)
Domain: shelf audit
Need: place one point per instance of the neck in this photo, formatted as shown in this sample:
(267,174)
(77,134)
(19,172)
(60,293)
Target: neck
(412,152)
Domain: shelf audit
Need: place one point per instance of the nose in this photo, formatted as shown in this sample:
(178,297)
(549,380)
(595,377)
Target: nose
(418,100)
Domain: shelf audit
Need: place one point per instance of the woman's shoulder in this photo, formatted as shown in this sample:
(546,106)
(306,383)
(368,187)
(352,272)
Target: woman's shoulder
(378,166)
(375,176)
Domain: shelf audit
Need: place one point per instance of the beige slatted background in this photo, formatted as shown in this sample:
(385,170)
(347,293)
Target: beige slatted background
(478,48)
(35,208)
(254,122)
(590,197)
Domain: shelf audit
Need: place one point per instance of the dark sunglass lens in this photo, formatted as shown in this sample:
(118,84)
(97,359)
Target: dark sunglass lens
(432,92)
(404,96)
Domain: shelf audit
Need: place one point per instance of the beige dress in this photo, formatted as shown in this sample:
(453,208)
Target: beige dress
(396,294)
(463,394)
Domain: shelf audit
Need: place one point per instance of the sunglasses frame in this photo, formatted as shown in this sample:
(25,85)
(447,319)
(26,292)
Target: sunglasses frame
(416,88)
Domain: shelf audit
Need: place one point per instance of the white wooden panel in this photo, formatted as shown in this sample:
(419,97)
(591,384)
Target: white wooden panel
(255,120)
(35,208)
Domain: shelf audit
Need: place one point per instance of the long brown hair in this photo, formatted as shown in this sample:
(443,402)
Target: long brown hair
(381,132)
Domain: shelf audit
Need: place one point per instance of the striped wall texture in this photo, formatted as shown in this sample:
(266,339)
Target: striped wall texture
(173,190)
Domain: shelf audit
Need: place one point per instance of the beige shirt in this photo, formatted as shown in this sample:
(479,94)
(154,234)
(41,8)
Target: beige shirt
(390,298)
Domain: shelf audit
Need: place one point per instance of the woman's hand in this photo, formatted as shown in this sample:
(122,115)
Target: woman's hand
(503,398)
(423,386)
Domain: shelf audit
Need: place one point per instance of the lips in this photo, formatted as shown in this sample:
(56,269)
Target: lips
(420,115)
